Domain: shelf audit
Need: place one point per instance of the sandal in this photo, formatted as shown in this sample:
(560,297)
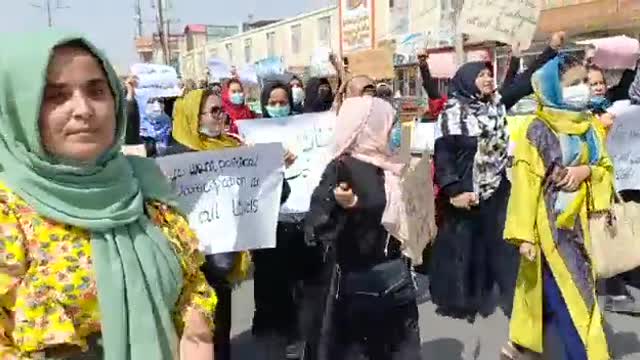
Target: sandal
(512,352)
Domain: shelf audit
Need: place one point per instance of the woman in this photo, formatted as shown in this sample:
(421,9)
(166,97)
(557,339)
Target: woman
(199,126)
(155,128)
(97,261)
(347,210)
(277,271)
(470,159)
(318,95)
(469,256)
(233,104)
(297,95)
(562,175)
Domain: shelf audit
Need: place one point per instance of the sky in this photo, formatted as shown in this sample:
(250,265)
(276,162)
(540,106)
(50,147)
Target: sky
(110,23)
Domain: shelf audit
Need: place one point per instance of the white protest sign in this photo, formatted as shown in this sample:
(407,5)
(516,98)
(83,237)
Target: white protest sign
(624,148)
(320,63)
(218,69)
(310,137)
(232,196)
(424,138)
(155,80)
(509,21)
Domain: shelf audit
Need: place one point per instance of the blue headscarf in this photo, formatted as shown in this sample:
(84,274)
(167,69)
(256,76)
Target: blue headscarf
(157,128)
(575,123)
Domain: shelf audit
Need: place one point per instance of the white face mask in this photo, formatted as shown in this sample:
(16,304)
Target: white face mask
(576,96)
(298,95)
(208,132)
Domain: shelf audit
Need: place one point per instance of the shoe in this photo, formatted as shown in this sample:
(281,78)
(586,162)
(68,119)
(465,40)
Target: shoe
(295,350)
(625,304)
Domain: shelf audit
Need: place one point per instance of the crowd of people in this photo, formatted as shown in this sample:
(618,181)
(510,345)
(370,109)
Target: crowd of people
(97,261)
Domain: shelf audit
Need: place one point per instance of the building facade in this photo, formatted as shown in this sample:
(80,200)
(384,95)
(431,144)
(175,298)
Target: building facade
(293,39)
(356,24)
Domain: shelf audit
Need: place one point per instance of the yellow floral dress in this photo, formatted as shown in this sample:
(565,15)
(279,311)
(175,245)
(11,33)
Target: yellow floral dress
(48,294)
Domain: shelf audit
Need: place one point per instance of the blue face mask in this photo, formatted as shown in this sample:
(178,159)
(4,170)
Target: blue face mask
(237,98)
(395,138)
(278,111)
(599,103)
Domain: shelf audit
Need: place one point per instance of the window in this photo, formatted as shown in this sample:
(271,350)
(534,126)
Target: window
(229,48)
(247,51)
(296,37)
(271,44)
(324,31)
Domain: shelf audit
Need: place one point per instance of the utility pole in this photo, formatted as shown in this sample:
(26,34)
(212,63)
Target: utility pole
(164,44)
(49,9)
(138,19)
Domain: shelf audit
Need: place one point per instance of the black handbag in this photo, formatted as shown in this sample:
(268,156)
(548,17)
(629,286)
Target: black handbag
(383,287)
(218,266)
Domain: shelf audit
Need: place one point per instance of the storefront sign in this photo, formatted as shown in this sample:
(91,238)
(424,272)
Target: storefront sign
(356,25)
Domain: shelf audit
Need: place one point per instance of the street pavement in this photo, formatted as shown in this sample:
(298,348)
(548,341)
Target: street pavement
(444,338)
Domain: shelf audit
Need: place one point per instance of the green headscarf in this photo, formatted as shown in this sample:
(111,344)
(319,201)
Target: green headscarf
(139,277)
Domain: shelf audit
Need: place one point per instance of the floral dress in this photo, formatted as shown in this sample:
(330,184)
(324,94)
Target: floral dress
(48,293)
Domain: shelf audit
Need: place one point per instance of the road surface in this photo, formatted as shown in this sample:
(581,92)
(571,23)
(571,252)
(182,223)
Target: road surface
(444,338)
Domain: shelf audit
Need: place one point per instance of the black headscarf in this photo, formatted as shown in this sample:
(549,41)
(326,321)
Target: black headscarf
(314,101)
(296,108)
(268,86)
(463,84)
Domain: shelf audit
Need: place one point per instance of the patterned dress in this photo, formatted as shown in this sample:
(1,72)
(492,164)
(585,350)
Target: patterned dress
(48,294)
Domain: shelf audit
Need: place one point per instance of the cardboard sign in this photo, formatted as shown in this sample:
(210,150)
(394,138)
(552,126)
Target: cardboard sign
(509,21)
(375,63)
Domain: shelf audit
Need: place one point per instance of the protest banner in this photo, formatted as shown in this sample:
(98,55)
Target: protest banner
(155,80)
(310,138)
(509,21)
(623,148)
(231,197)
(376,63)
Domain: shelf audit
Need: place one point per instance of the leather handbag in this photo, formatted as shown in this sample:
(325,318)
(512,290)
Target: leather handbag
(615,239)
(383,287)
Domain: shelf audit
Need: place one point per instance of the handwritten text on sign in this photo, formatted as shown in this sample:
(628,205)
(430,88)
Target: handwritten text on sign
(310,138)
(232,197)
(623,148)
(508,21)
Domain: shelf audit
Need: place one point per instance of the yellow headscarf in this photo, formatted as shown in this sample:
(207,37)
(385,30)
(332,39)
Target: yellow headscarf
(186,121)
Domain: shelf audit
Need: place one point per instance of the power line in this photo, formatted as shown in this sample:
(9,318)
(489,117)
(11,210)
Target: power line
(49,9)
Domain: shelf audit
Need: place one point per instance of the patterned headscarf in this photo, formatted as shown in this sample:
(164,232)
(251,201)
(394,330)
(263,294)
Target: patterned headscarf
(467,115)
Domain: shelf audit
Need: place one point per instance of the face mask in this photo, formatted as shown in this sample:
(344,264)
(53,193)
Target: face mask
(577,96)
(208,132)
(153,110)
(278,111)
(237,98)
(395,138)
(298,95)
